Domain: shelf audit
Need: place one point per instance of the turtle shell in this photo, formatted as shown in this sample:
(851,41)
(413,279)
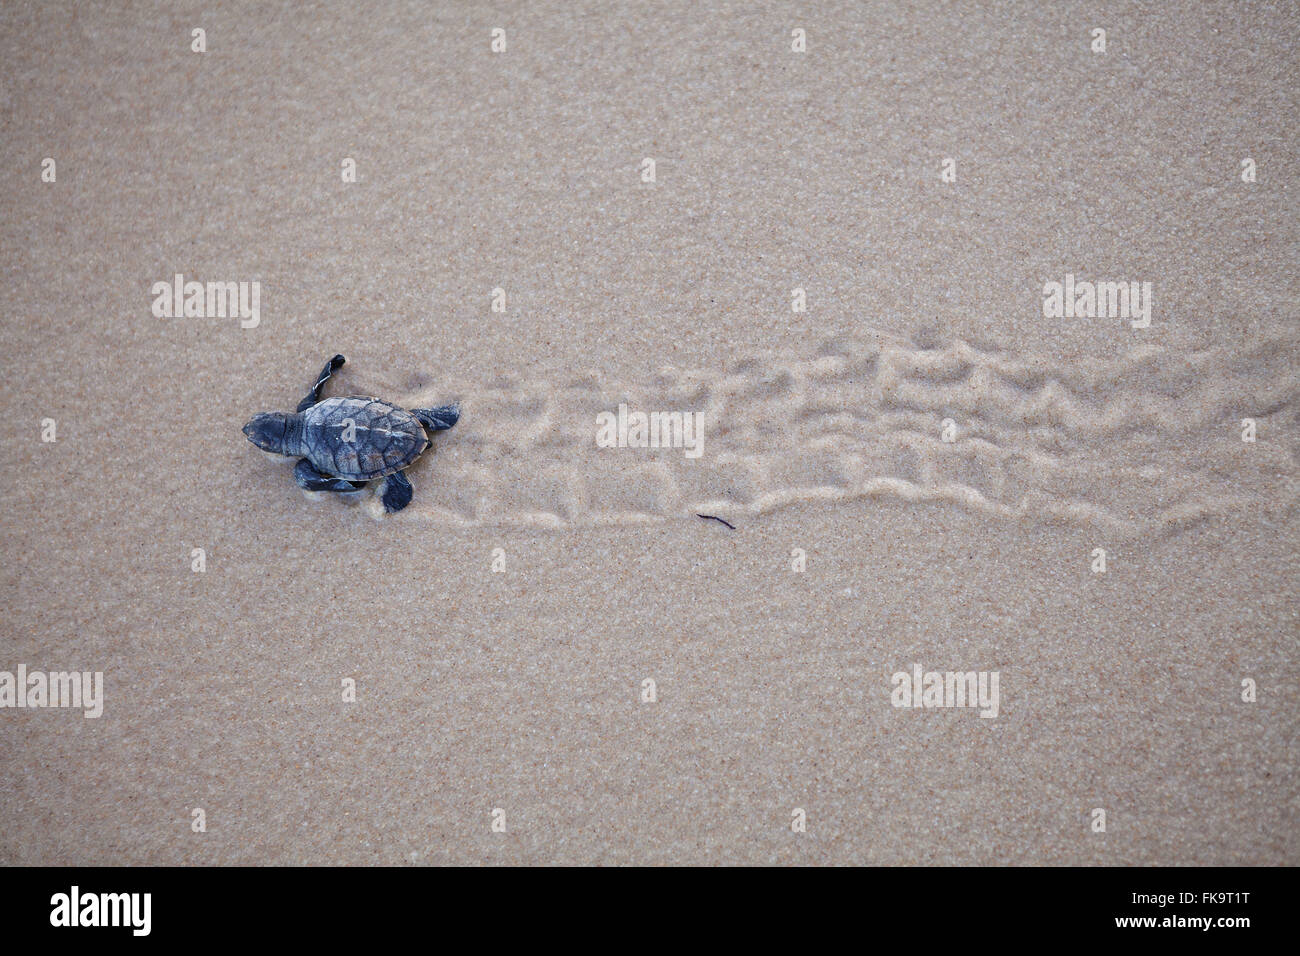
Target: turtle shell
(383,437)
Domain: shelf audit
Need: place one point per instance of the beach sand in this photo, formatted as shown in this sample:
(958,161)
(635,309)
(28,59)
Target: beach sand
(865,542)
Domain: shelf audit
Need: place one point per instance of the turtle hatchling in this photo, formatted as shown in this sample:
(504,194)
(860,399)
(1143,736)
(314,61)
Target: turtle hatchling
(345,443)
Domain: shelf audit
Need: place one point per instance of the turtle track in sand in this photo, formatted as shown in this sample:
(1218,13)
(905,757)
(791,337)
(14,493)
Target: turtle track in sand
(1148,441)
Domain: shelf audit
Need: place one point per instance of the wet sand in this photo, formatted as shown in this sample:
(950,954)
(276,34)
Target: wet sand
(940,458)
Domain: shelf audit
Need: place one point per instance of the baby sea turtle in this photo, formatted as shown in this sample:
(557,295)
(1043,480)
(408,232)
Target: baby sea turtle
(344,443)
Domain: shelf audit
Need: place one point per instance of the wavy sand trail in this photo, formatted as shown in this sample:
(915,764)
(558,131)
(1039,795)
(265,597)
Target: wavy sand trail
(1146,442)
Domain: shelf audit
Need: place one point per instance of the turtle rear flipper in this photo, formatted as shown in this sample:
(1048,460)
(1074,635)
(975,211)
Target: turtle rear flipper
(332,366)
(438,419)
(397,492)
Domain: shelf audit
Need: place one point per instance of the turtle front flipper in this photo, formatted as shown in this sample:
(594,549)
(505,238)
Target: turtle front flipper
(309,479)
(397,492)
(438,419)
(332,366)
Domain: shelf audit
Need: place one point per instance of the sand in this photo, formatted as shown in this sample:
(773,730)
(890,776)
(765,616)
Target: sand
(517,697)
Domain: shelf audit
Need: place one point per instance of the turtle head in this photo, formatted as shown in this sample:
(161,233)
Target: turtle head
(277,432)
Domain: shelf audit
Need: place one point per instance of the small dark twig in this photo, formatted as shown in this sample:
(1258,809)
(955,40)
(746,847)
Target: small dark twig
(716,518)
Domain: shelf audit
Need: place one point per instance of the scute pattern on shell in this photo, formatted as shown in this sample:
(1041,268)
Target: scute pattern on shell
(388,438)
